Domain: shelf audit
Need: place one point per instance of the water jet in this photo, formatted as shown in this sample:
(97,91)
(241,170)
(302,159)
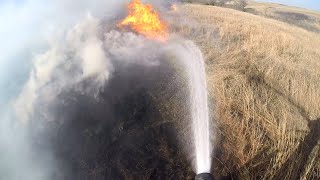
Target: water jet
(194,66)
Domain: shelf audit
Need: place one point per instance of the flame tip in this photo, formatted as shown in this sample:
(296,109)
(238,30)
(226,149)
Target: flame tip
(144,20)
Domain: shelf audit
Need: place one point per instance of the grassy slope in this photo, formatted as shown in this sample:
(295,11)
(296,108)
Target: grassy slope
(300,17)
(264,77)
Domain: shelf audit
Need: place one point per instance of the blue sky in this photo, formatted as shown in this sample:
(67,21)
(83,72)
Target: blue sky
(309,4)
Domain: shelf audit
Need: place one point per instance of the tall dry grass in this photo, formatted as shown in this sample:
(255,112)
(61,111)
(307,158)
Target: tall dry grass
(263,77)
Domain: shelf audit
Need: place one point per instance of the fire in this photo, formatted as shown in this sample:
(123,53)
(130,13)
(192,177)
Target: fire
(144,20)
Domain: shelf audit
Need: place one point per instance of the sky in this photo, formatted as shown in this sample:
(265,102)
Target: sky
(309,4)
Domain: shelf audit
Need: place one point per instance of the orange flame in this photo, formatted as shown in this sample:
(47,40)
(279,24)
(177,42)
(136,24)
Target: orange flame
(144,20)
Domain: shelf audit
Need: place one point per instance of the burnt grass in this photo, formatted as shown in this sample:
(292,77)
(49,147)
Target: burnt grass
(298,19)
(122,133)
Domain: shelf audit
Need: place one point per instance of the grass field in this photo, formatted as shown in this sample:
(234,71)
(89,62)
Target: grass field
(263,77)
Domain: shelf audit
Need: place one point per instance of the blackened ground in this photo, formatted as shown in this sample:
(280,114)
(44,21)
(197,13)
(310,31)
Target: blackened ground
(124,133)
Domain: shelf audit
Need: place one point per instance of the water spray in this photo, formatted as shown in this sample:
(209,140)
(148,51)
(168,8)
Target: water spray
(194,65)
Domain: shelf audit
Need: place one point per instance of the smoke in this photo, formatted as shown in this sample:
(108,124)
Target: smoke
(29,72)
(65,64)
(53,51)
(86,55)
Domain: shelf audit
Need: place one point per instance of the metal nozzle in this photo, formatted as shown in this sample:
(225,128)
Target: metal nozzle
(204,176)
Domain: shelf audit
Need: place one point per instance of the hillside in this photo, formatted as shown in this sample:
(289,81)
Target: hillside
(304,18)
(263,78)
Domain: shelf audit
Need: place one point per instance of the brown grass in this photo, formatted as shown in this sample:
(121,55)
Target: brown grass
(263,76)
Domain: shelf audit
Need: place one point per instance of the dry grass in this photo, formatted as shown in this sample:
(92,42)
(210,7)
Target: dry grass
(264,78)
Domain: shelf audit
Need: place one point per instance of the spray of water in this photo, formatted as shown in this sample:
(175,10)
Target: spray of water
(199,109)
(195,71)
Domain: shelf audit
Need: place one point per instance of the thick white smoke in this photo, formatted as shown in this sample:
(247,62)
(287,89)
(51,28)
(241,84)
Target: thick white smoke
(29,28)
(86,54)
(79,57)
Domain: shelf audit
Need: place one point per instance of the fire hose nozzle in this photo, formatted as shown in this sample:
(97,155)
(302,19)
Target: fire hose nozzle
(204,176)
